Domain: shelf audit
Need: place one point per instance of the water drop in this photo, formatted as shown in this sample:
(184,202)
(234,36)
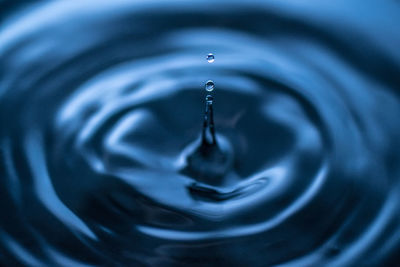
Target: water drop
(210,58)
(210,86)
(209,99)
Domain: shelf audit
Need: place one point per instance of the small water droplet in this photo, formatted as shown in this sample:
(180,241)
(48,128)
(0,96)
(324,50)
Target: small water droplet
(210,58)
(209,99)
(210,86)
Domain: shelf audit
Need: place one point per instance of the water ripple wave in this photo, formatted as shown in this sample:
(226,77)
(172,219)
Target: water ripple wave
(100,102)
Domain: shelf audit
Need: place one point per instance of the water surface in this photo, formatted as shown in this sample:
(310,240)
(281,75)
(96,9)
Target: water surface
(101,104)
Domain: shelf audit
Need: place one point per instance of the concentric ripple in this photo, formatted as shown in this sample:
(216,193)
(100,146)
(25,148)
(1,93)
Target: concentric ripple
(101,104)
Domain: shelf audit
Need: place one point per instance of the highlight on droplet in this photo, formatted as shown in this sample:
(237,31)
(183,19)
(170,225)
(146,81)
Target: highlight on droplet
(210,58)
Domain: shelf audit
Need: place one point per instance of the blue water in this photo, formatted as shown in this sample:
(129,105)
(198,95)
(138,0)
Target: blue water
(102,105)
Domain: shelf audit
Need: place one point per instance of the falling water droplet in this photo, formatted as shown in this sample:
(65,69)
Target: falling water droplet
(210,58)
(210,86)
(208,162)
